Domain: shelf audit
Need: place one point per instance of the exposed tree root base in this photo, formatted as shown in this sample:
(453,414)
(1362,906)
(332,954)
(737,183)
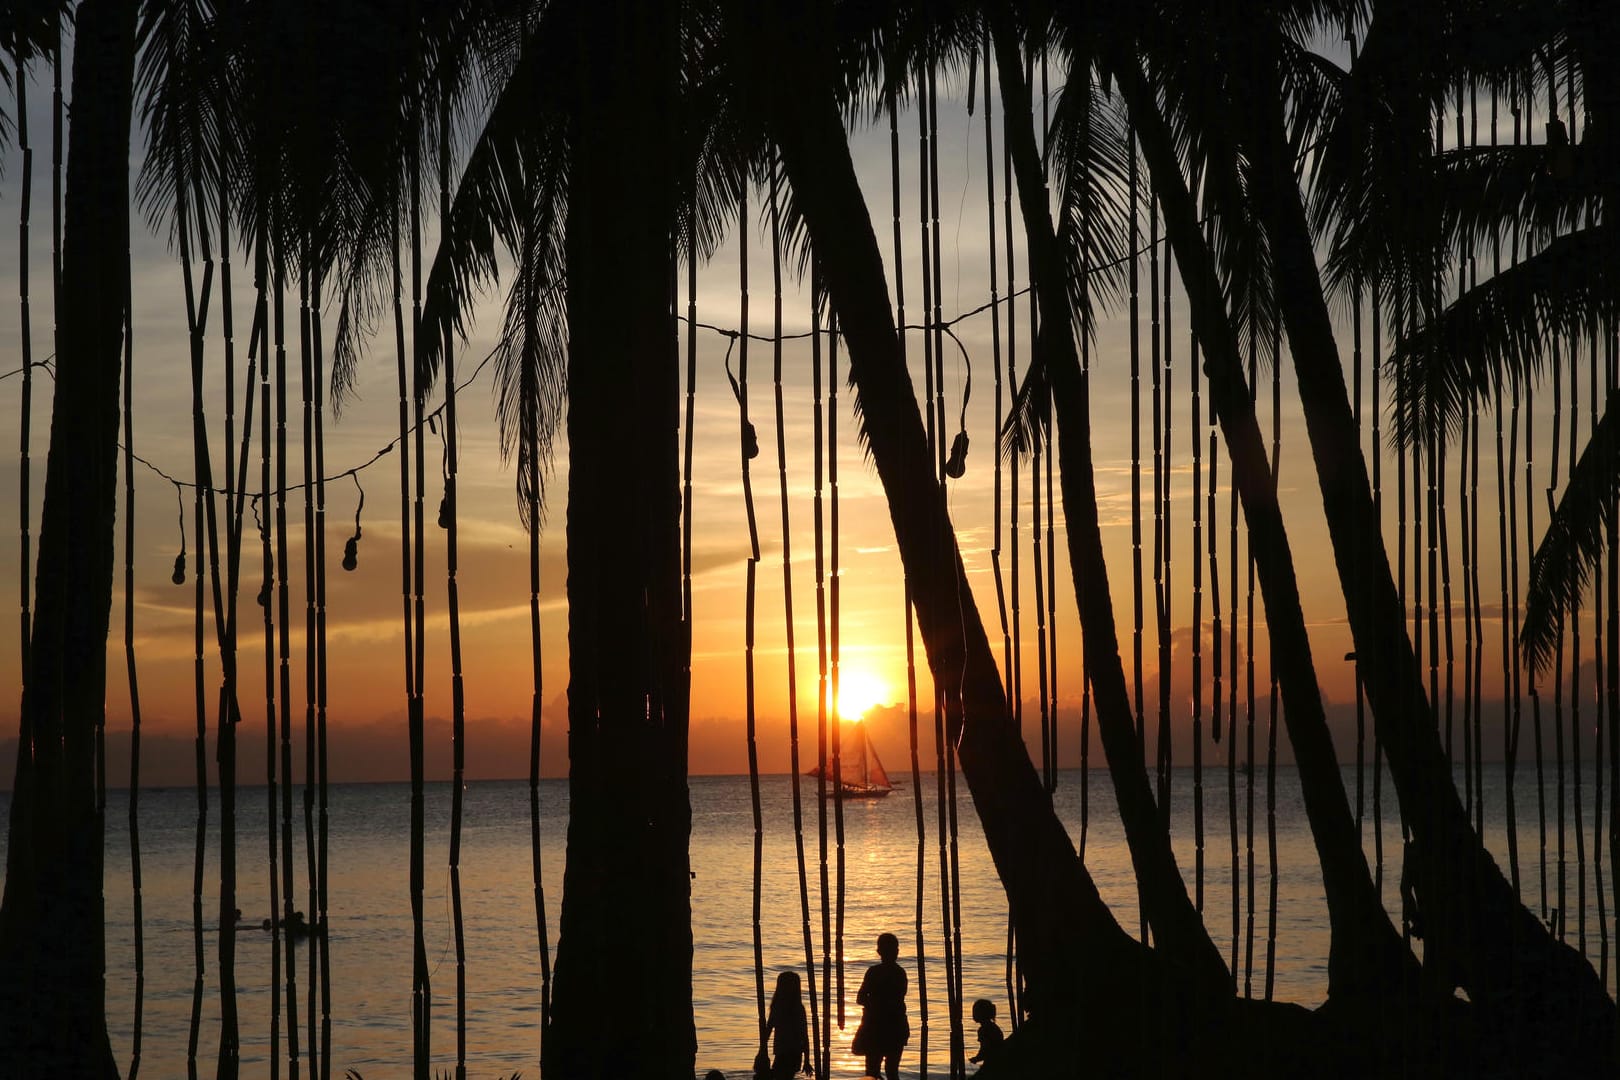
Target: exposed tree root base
(1379,1037)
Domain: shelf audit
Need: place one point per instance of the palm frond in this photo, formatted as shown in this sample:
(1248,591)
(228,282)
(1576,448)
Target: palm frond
(1499,330)
(1574,540)
(179,84)
(1089,156)
(531,360)
(520,149)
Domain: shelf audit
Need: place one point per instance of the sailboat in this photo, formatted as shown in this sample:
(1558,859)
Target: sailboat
(863,774)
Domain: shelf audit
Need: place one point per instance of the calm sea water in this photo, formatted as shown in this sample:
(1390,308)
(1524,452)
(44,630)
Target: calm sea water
(371,926)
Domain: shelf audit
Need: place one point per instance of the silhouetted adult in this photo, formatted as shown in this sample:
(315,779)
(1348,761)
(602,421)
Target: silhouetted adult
(884,1029)
(792,1032)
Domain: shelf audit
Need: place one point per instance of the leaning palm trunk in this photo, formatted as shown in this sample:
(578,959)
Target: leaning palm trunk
(1063,926)
(1542,999)
(1175,921)
(52,1017)
(1366,956)
(626,887)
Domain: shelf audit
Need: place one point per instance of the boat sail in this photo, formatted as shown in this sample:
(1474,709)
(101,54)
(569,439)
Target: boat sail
(863,773)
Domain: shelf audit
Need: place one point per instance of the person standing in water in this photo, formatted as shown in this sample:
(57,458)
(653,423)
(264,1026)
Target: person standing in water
(884,1029)
(792,1032)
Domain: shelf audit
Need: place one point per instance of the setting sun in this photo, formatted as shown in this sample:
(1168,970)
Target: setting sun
(859,691)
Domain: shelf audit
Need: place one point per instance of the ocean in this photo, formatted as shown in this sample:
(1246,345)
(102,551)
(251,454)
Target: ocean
(370,935)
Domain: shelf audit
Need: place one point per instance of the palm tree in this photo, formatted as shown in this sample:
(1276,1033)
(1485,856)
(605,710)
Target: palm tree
(52,1019)
(1510,965)
(629,816)
(1366,957)
(1175,921)
(1062,924)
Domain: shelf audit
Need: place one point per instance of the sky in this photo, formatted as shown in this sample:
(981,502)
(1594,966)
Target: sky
(365,644)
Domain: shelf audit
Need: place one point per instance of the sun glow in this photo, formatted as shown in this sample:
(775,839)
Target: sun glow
(859,692)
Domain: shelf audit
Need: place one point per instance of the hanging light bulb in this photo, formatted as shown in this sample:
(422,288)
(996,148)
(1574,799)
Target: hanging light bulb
(179,575)
(444,511)
(264,594)
(750,442)
(956,466)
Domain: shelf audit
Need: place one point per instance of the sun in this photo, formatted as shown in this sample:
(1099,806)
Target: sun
(859,692)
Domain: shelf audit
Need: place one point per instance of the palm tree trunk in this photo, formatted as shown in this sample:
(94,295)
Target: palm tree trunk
(1063,924)
(625,931)
(1176,924)
(1543,997)
(1366,957)
(52,1016)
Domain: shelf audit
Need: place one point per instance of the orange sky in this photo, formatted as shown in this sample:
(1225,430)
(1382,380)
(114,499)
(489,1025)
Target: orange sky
(366,686)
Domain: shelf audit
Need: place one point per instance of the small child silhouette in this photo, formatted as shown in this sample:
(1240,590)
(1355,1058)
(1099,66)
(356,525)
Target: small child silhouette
(786,1020)
(990,1037)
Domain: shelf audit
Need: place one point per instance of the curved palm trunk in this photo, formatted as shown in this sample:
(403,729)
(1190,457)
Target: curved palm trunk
(1067,936)
(1169,909)
(52,954)
(1541,997)
(625,930)
(1366,955)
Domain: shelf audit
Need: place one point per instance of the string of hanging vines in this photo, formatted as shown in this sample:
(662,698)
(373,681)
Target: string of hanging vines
(1507,541)
(421,986)
(311,657)
(266,600)
(787,593)
(283,649)
(230,702)
(1575,611)
(25,512)
(1134,181)
(822,689)
(1530,547)
(1271,665)
(1161,628)
(458,699)
(136,898)
(1248,705)
(320,943)
(533,465)
(749,449)
(1468,442)
(954,891)
(1165,531)
(1051,503)
(891,94)
(1196,441)
(995,370)
(200,707)
(1231,719)
(1085,381)
(1376,321)
(926,163)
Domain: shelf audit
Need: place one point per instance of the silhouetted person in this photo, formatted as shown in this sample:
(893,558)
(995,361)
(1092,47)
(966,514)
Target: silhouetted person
(990,1037)
(297,927)
(714,1074)
(884,1029)
(786,1020)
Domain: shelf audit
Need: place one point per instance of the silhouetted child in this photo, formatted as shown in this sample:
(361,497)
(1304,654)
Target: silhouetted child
(884,1029)
(714,1074)
(990,1037)
(786,1020)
